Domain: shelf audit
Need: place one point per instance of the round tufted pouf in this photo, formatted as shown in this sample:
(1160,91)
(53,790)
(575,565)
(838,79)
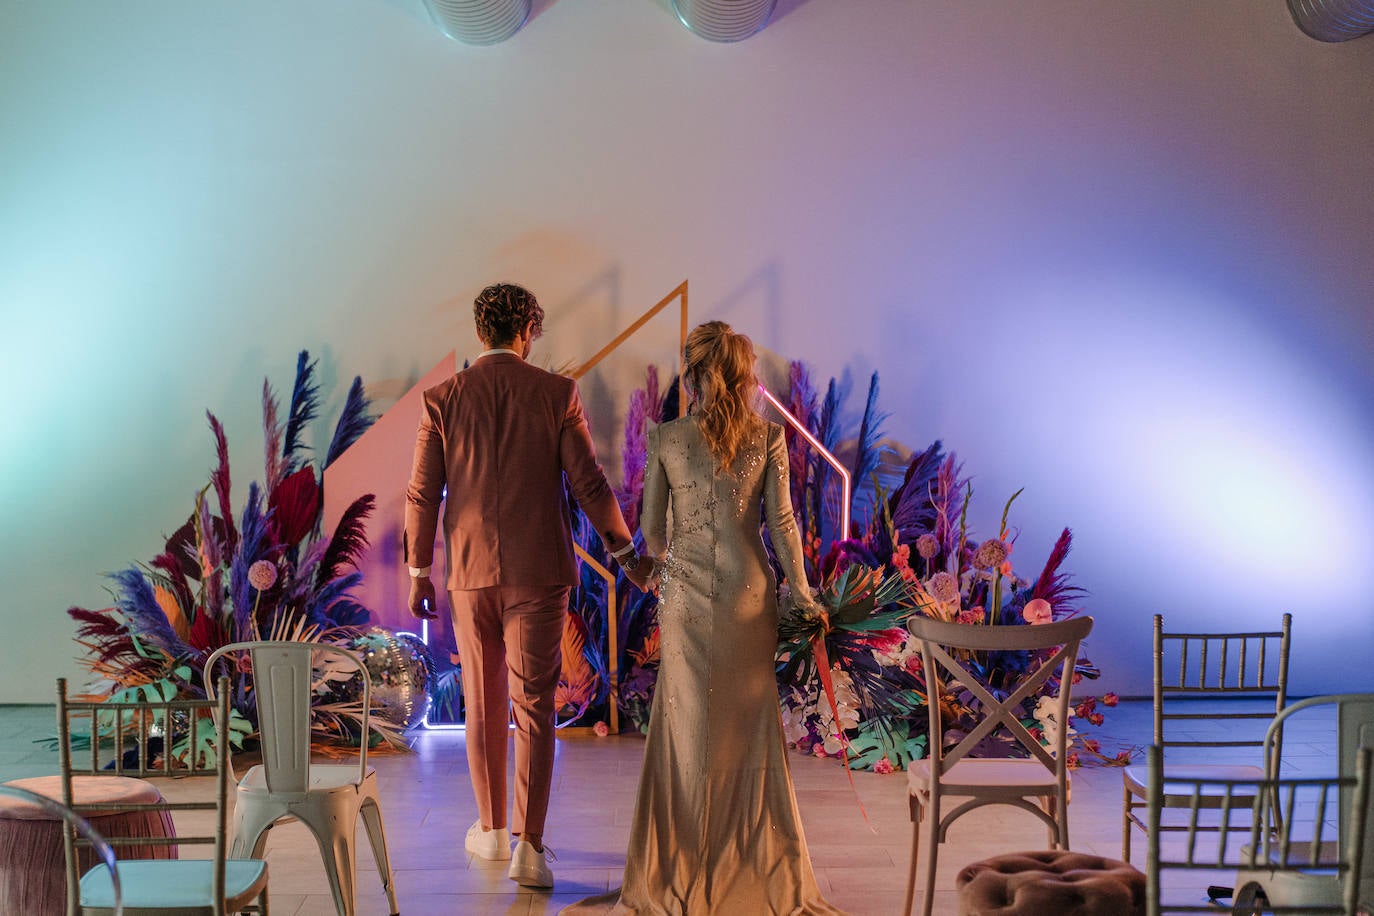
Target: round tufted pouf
(33,877)
(1056,882)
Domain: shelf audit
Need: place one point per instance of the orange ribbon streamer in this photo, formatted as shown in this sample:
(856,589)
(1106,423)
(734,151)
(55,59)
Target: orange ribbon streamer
(828,685)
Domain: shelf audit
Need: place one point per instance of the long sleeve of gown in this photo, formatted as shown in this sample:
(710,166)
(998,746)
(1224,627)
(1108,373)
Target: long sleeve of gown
(653,516)
(782,521)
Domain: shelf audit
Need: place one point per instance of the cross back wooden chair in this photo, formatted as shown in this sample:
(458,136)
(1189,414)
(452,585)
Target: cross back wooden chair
(195,743)
(1284,822)
(1215,668)
(1038,783)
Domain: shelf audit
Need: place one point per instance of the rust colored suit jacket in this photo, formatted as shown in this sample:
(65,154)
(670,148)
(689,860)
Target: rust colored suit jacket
(500,435)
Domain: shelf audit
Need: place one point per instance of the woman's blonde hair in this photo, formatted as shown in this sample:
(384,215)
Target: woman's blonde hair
(719,368)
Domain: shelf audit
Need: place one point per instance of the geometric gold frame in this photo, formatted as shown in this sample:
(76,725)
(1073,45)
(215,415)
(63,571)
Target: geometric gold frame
(612,610)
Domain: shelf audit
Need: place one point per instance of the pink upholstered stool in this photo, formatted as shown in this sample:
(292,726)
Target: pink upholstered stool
(33,878)
(1056,882)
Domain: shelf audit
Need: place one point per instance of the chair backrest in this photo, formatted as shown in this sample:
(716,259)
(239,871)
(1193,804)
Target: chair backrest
(284,674)
(1284,822)
(1354,730)
(1212,666)
(194,736)
(1063,637)
(75,822)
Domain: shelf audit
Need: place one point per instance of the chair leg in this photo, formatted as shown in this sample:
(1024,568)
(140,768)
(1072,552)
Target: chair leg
(250,831)
(376,835)
(340,865)
(932,854)
(1126,825)
(916,815)
(1047,805)
(1061,816)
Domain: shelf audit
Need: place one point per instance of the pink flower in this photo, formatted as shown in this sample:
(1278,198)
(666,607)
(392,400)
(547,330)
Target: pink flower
(913,664)
(1123,758)
(1091,744)
(1097,718)
(818,749)
(1085,708)
(943,587)
(990,553)
(262,575)
(885,640)
(1072,761)
(883,767)
(927,545)
(972,615)
(1110,699)
(1037,610)
(601,729)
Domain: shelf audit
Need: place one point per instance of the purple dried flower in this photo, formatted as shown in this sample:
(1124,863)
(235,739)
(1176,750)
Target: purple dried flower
(927,545)
(943,587)
(262,575)
(990,554)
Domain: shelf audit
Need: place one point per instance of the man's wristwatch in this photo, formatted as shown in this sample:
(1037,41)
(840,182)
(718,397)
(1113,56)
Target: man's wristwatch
(627,557)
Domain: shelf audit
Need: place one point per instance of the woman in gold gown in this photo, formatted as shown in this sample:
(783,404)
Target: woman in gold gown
(716,828)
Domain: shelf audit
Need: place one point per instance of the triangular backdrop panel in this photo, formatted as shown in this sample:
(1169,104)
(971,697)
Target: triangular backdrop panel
(379,463)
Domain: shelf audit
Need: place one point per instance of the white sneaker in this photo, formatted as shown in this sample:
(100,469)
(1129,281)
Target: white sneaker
(488,844)
(529,867)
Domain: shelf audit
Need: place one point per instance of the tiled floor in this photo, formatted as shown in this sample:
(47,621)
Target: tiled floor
(861,866)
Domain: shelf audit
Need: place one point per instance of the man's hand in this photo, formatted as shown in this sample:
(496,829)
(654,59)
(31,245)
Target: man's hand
(422,598)
(639,576)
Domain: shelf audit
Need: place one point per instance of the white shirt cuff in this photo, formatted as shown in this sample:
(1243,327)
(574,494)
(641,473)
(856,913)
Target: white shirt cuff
(420,573)
(624,551)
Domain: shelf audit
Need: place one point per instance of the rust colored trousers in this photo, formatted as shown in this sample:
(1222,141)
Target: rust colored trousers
(510,645)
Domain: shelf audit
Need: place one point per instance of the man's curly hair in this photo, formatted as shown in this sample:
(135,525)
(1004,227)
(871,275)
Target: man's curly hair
(501,312)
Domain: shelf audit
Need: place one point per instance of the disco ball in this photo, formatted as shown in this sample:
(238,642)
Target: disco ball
(402,675)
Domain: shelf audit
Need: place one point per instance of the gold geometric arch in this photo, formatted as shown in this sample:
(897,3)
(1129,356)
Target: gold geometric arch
(612,611)
(612,608)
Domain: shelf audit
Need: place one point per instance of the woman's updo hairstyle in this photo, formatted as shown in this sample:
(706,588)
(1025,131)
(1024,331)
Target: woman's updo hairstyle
(719,368)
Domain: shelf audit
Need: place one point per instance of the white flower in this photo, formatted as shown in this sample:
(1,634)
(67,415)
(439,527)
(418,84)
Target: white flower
(1046,713)
(846,703)
(793,723)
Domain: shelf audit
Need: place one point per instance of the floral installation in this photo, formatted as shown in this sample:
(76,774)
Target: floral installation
(265,572)
(912,553)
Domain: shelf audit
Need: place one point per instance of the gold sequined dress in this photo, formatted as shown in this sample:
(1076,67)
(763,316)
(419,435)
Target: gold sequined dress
(716,828)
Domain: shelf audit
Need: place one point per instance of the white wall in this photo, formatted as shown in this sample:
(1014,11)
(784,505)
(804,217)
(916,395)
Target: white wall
(1117,253)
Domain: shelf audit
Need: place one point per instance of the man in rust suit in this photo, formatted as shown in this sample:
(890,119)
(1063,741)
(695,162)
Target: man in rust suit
(500,435)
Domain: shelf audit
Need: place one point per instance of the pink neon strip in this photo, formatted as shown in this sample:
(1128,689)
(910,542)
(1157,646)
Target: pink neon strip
(825,453)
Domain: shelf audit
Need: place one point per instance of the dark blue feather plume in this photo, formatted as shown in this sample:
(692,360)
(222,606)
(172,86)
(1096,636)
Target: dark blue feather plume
(333,598)
(145,618)
(868,453)
(911,506)
(353,422)
(252,546)
(305,406)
